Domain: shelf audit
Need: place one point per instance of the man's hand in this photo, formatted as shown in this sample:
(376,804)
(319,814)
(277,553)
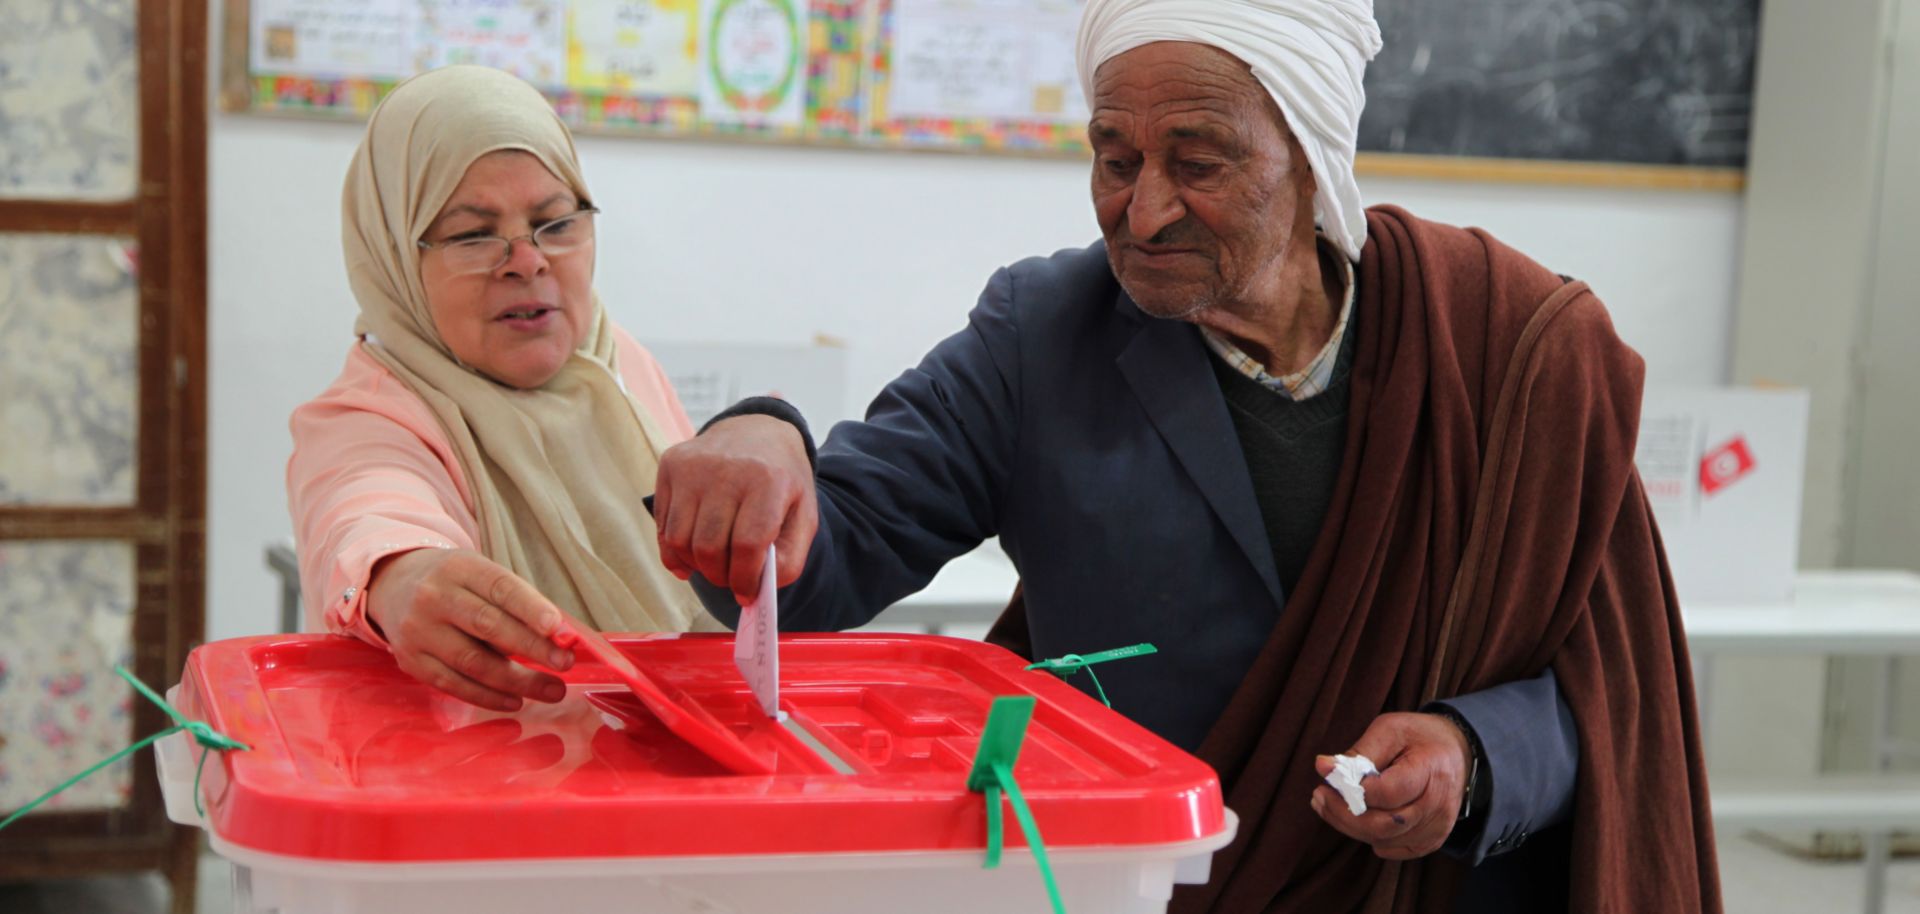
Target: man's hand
(453,617)
(726,494)
(1414,803)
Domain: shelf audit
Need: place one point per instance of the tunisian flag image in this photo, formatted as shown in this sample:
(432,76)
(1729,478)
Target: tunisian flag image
(1725,465)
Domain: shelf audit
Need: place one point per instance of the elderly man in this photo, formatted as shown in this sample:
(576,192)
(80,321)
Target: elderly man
(1365,480)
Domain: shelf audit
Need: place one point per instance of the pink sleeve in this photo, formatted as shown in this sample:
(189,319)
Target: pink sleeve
(372,475)
(647,383)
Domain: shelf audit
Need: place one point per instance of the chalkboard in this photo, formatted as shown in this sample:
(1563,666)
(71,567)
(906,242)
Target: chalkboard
(1638,82)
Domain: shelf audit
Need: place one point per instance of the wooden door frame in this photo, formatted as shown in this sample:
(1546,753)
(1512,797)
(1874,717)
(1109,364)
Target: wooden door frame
(167,522)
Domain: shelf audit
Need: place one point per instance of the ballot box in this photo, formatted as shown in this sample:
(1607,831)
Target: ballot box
(365,791)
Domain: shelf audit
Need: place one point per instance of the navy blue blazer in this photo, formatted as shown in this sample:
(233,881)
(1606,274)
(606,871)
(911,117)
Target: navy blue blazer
(1094,440)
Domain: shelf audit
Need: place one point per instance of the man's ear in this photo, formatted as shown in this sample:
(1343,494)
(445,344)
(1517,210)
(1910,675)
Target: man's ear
(1296,153)
(1303,168)
(1299,176)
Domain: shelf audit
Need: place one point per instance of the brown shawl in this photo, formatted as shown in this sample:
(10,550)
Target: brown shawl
(1487,523)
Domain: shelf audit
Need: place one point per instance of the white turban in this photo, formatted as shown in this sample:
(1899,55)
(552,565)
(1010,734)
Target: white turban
(1309,54)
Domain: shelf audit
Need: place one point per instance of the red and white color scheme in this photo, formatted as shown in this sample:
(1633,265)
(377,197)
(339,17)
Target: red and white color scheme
(1725,465)
(1724,469)
(366,790)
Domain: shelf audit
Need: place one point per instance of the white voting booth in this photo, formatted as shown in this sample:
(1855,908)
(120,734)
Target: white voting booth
(1724,469)
(711,376)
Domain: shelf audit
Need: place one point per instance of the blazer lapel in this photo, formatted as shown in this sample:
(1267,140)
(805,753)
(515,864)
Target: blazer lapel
(1166,365)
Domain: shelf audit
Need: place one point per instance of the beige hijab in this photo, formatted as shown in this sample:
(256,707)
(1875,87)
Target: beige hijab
(556,473)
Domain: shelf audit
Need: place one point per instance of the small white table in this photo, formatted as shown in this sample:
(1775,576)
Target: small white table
(1870,613)
(1873,614)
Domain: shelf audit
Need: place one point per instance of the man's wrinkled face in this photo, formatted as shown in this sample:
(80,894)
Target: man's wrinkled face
(1199,187)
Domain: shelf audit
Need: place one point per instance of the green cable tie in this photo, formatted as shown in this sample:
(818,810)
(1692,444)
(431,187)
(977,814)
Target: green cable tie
(996,823)
(1070,664)
(208,738)
(1031,829)
(1000,741)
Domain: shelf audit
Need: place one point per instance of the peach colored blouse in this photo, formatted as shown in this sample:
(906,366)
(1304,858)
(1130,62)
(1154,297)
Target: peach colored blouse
(373,474)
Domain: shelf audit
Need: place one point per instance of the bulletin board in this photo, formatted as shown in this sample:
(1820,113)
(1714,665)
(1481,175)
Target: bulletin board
(973,75)
(1648,93)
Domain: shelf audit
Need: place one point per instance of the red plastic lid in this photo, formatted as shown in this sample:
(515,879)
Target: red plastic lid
(354,760)
(684,716)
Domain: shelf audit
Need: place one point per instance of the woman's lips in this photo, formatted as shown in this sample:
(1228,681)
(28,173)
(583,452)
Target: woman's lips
(536,317)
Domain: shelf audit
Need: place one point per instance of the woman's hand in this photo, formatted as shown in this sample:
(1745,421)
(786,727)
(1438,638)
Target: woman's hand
(453,617)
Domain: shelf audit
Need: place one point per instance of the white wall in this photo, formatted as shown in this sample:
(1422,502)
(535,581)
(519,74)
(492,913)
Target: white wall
(768,244)
(1806,262)
(1883,500)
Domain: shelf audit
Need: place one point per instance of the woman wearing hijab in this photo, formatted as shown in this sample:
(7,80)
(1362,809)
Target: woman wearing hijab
(478,467)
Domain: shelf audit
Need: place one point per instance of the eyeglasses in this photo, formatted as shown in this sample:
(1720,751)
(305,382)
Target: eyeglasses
(487,253)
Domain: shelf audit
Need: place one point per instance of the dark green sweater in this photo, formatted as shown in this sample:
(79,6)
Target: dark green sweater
(1293,450)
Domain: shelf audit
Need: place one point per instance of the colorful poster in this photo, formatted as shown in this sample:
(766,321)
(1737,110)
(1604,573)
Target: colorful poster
(638,47)
(992,75)
(991,59)
(524,37)
(333,38)
(753,68)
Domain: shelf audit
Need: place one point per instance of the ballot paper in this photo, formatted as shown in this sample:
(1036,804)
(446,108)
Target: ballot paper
(1348,770)
(756,643)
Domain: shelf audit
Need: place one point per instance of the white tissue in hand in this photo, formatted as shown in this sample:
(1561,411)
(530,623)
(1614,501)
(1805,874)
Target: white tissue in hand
(1345,777)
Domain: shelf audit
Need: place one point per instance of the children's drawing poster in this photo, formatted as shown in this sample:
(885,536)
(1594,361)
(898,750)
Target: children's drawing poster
(985,75)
